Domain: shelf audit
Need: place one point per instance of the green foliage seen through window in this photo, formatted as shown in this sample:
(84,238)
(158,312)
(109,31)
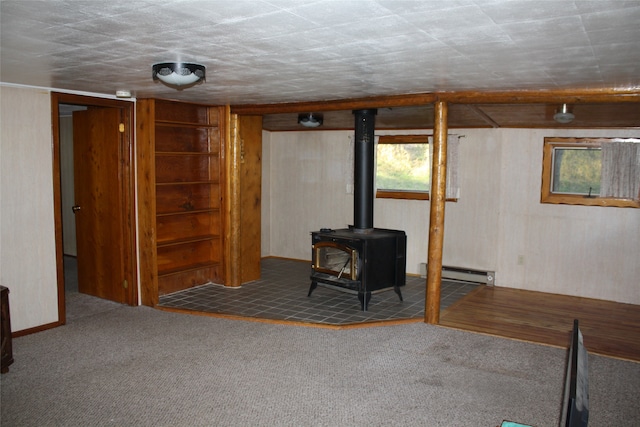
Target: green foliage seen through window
(576,171)
(403,167)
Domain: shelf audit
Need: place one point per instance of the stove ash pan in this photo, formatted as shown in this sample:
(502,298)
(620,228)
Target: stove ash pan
(359,261)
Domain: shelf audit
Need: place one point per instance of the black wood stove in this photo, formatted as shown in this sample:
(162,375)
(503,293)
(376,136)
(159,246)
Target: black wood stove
(360,259)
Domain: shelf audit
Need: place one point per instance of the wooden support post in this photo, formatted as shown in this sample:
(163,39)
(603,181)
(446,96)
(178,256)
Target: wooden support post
(436,217)
(243,154)
(232,233)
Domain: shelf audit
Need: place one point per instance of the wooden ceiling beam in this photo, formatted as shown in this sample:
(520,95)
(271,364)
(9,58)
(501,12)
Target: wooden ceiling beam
(337,105)
(555,96)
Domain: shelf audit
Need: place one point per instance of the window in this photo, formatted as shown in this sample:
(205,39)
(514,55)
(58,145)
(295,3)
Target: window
(591,171)
(403,167)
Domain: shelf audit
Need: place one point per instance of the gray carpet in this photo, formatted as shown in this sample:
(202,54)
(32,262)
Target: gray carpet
(136,366)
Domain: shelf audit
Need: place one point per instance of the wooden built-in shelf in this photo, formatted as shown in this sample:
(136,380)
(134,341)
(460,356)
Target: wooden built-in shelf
(199,193)
(214,210)
(190,240)
(193,267)
(187,183)
(167,123)
(184,155)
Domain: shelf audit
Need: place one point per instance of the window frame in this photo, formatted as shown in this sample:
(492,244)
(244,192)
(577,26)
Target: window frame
(402,194)
(547,196)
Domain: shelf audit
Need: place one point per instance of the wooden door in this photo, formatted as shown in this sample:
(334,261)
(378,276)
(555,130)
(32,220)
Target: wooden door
(99,211)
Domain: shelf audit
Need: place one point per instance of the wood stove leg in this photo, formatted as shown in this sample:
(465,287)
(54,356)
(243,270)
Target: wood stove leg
(312,287)
(397,291)
(364,298)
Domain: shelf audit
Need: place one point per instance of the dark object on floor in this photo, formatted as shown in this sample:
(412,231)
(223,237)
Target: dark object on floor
(575,400)
(5,336)
(575,405)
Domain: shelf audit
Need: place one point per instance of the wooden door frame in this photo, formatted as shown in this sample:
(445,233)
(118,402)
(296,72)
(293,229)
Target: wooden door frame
(128,185)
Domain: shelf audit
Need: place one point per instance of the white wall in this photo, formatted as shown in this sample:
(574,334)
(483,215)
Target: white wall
(588,251)
(27,241)
(308,172)
(498,224)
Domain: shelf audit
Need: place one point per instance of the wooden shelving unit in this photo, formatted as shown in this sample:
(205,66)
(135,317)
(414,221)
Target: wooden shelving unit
(180,148)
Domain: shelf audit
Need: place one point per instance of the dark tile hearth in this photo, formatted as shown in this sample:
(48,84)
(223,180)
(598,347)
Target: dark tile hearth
(281,294)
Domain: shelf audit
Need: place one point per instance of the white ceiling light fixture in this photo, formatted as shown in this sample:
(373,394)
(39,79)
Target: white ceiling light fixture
(310,120)
(564,115)
(178,74)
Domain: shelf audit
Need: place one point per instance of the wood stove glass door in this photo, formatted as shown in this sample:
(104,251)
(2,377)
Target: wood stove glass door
(335,259)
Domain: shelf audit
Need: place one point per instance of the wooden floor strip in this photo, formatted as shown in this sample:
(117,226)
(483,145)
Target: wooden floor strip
(609,328)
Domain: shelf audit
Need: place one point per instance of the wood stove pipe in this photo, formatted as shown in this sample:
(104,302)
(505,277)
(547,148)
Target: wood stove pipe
(364,163)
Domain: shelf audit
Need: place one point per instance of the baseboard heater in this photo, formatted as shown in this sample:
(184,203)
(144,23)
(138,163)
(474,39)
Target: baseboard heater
(463,274)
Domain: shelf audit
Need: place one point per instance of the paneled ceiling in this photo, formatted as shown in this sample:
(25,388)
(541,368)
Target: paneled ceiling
(289,51)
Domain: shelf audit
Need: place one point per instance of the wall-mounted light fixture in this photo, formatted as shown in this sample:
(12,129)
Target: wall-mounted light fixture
(181,74)
(564,115)
(310,120)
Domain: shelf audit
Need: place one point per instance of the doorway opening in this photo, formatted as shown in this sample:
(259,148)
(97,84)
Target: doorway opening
(95,246)
(70,251)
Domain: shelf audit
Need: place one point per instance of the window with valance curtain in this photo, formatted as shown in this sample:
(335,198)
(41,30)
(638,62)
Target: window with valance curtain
(591,171)
(404,164)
